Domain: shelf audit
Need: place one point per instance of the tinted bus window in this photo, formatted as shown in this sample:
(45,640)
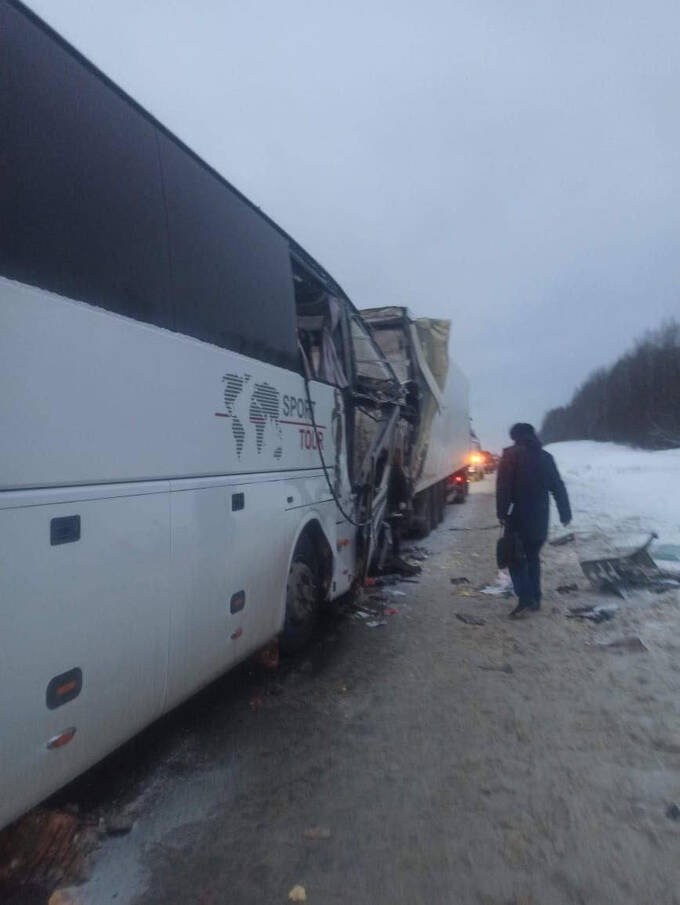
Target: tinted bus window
(82,206)
(232,281)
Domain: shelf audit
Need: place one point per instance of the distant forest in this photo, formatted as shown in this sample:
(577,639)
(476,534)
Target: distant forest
(635,401)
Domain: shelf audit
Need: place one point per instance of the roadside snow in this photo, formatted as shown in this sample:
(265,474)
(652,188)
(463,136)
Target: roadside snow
(620,494)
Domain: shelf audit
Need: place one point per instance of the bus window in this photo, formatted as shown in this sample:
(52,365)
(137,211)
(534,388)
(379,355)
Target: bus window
(231,278)
(81,196)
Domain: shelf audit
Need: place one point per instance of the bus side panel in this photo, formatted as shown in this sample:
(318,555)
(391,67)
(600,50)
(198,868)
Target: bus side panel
(225,542)
(90,397)
(232,546)
(97,603)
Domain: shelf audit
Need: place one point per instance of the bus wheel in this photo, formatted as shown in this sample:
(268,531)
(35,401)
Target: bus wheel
(302,603)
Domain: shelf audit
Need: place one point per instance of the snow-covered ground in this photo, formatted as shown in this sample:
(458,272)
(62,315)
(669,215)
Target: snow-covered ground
(618,494)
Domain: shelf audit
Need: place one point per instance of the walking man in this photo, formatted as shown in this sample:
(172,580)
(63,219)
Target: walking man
(526,475)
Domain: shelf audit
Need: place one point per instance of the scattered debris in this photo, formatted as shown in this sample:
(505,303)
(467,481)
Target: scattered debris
(614,574)
(395,593)
(398,566)
(673,812)
(417,553)
(375,623)
(505,667)
(633,644)
(298,894)
(317,832)
(268,656)
(256,703)
(470,620)
(594,614)
(461,580)
(66,896)
(502,588)
(47,850)
(390,611)
(119,825)
(563,539)
(567,588)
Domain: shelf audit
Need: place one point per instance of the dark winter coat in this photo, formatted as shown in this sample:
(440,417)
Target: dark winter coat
(526,475)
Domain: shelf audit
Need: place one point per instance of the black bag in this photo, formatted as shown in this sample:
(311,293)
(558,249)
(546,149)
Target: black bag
(509,549)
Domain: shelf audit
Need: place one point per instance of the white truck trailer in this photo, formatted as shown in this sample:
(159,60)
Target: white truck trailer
(433,437)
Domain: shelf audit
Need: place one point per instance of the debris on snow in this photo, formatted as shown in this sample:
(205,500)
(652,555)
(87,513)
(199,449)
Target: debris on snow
(567,588)
(268,656)
(635,569)
(66,896)
(594,614)
(298,894)
(461,580)
(317,832)
(375,623)
(504,667)
(502,588)
(673,812)
(634,644)
(119,825)
(470,620)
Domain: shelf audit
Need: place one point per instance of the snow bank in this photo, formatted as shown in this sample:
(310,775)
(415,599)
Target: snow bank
(619,492)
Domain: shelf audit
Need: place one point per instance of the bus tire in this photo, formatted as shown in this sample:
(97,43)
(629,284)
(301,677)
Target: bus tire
(303,596)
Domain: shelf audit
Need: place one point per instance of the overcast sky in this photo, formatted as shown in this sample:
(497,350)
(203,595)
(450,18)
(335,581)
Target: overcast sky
(511,165)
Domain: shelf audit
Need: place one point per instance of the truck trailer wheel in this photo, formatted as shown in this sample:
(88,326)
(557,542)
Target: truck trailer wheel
(302,600)
(441,501)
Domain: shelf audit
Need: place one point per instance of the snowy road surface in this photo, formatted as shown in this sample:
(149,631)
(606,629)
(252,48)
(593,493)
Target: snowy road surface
(450,763)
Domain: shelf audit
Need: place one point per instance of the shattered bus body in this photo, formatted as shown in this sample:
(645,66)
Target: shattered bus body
(197,426)
(433,442)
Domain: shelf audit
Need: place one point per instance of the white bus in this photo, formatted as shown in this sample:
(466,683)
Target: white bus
(195,424)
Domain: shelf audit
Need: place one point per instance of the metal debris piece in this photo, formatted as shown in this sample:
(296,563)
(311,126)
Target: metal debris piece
(616,574)
(567,588)
(470,620)
(505,667)
(594,614)
(317,832)
(461,580)
(633,644)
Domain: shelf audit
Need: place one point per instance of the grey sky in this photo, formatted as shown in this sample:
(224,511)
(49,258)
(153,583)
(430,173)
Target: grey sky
(514,166)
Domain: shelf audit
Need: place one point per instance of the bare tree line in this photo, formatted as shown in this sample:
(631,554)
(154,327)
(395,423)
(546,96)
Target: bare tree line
(635,401)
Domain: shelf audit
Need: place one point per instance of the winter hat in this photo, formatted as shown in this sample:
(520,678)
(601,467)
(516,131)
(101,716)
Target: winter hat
(522,431)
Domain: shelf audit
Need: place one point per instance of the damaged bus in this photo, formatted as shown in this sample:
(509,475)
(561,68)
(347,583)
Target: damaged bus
(196,423)
(433,439)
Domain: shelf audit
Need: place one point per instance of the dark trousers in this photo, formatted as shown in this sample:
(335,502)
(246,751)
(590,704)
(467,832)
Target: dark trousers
(526,574)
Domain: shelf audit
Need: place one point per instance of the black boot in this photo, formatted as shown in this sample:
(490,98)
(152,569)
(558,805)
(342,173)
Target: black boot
(522,607)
